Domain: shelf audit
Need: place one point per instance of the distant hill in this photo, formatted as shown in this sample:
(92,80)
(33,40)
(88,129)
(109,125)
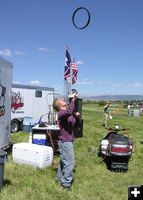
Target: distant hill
(113,97)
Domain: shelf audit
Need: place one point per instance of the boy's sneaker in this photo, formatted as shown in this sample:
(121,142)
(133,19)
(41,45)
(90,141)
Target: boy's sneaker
(66,187)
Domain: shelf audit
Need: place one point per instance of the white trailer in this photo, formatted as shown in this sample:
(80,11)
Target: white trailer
(5,102)
(29,101)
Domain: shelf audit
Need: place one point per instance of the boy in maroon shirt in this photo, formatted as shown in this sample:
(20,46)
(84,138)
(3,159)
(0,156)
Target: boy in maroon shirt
(67,119)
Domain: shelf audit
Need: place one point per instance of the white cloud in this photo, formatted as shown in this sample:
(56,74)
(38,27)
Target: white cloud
(136,85)
(44,49)
(35,82)
(101,83)
(85,82)
(119,84)
(9,52)
(79,62)
(19,52)
(6,52)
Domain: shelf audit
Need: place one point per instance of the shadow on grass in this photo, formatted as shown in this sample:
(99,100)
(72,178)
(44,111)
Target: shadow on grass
(6,182)
(115,164)
(9,149)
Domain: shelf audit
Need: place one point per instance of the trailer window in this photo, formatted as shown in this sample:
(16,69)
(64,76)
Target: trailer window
(38,93)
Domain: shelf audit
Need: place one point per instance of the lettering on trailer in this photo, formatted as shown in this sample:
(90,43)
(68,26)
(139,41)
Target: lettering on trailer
(16,101)
(13,111)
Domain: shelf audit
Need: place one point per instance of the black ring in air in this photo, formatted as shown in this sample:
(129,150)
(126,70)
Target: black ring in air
(73,18)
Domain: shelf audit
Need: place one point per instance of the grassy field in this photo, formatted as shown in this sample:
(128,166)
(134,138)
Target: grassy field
(92,180)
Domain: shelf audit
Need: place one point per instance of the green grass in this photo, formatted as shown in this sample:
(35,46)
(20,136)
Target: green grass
(92,180)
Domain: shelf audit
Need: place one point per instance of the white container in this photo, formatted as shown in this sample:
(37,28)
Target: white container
(32,154)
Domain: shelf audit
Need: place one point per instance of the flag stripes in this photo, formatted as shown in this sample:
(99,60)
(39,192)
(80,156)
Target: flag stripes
(74,72)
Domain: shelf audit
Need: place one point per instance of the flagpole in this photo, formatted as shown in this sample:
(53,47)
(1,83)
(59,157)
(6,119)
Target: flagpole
(67,89)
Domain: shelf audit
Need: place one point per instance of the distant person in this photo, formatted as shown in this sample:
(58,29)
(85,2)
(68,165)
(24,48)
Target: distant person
(141,109)
(107,114)
(129,109)
(67,119)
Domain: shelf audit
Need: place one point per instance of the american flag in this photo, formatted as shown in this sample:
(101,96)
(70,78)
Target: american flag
(74,71)
(67,65)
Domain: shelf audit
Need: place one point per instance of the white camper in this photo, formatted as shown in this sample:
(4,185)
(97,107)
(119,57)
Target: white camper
(5,102)
(29,101)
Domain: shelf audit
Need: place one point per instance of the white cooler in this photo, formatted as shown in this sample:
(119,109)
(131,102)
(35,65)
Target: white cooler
(32,154)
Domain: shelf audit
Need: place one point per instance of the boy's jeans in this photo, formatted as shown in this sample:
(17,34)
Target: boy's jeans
(66,164)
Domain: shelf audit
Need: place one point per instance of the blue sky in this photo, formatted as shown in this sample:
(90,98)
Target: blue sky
(109,52)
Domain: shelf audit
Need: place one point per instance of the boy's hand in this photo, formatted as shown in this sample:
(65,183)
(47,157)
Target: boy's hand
(77,114)
(72,96)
